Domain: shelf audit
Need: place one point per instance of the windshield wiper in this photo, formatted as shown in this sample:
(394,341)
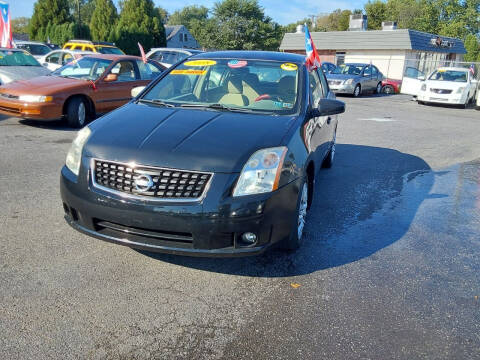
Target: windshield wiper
(155,102)
(217,107)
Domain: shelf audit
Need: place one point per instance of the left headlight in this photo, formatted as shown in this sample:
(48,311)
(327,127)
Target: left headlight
(74,156)
(35,98)
(261,173)
(348,82)
(460,90)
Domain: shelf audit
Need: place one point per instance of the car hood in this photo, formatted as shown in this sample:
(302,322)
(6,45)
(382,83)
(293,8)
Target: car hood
(42,85)
(448,85)
(201,140)
(13,73)
(340,76)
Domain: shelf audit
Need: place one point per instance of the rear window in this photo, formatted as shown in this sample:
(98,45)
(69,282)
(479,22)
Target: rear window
(109,50)
(35,49)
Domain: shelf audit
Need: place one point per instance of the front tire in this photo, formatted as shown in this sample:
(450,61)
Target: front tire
(295,240)
(388,90)
(358,91)
(76,113)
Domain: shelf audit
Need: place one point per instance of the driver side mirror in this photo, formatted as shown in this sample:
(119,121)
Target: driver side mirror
(111,77)
(328,107)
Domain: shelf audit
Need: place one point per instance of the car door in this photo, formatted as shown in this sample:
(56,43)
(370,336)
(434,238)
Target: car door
(116,91)
(317,126)
(412,81)
(368,79)
(52,61)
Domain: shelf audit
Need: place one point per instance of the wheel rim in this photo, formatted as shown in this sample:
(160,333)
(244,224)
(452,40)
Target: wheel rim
(387,90)
(357,91)
(81,113)
(379,88)
(302,210)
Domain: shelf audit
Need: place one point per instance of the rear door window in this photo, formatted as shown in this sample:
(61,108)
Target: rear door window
(148,71)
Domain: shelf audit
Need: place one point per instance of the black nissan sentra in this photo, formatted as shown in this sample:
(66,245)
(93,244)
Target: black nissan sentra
(216,157)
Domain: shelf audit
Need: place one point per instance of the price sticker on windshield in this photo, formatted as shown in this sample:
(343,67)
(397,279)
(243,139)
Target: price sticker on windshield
(289,66)
(200,63)
(188,72)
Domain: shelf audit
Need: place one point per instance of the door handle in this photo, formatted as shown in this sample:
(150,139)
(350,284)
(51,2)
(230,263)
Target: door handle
(329,119)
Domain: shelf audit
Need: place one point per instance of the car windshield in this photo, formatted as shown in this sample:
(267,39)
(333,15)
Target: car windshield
(109,50)
(17,58)
(230,84)
(35,49)
(348,69)
(449,75)
(87,68)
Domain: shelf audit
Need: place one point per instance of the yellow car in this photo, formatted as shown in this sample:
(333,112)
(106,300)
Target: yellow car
(94,46)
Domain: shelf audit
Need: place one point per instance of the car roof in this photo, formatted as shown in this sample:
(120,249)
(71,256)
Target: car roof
(11,49)
(114,57)
(453,68)
(357,64)
(23,42)
(183,50)
(252,55)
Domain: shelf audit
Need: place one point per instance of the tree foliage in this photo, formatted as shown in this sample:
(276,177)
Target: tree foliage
(338,20)
(20,25)
(104,19)
(139,22)
(54,12)
(376,12)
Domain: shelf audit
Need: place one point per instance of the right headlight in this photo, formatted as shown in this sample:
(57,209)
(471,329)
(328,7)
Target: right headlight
(74,156)
(261,173)
(348,82)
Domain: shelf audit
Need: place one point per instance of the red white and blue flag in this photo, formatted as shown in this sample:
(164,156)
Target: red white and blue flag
(5,26)
(313,60)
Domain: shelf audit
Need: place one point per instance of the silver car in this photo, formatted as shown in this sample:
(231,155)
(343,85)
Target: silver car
(355,79)
(16,64)
(169,56)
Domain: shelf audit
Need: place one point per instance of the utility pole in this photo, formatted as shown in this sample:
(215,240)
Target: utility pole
(313,18)
(78,12)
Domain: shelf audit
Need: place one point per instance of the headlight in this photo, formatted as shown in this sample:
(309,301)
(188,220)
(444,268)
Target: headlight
(424,87)
(348,82)
(74,156)
(261,173)
(35,98)
(460,90)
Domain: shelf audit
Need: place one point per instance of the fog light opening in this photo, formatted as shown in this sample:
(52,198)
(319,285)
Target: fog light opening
(249,238)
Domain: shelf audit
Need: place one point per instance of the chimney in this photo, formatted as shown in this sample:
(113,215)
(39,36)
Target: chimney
(389,25)
(300,29)
(358,22)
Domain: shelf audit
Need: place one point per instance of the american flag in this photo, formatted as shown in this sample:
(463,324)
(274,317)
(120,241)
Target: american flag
(313,60)
(142,52)
(472,69)
(5,26)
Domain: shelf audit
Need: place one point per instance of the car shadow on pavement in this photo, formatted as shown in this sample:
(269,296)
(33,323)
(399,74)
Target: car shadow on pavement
(365,203)
(57,125)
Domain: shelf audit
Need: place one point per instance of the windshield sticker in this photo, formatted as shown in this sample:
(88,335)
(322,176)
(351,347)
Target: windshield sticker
(188,72)
(200,63)
(237,64)
(289,67)
(442,70)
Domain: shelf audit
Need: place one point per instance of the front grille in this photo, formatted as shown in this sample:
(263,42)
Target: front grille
(335,82)
(441,91)
(10,109)
(437,99)
(8,96)
(150,182)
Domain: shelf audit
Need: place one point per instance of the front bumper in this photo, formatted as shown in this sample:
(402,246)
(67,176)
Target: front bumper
(454,99)
(342,88)
(34,111)
(212,227)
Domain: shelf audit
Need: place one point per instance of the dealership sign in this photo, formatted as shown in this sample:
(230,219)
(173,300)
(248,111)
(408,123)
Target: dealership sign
(439,42)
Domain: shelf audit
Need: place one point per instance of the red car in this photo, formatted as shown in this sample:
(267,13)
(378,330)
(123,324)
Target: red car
(391,86)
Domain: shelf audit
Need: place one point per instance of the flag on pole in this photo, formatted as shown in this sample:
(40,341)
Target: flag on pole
(472,69)
(313,60)
(142,52)
(5,26)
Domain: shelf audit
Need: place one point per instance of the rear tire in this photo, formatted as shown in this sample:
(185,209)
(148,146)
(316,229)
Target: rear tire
(378,89)
(388,90)
(76,112)
(295,240)
(358,91)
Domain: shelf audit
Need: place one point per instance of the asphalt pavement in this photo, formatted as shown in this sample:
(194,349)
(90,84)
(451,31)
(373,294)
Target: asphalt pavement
(389,270)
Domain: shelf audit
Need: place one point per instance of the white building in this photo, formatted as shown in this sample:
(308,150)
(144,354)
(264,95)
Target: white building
(178,36)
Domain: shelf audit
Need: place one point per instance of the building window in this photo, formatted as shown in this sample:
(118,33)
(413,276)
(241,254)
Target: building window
(186,38)
(340,58)
(181,37)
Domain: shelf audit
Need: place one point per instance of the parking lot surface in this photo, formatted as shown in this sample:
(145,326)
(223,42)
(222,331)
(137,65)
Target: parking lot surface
(389,268)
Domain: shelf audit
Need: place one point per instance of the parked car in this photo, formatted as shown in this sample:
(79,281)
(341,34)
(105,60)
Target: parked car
(16,64)
(478,100)
(205,168)
(53,46)
(355,79)
(412,81)
(169,56)
(57,58)
(328,67)
(100,47)
(37,49)
(78,91)
(391,86)
(448,85)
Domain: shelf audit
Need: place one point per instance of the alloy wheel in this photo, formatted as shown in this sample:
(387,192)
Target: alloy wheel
(81,113)
(302,210)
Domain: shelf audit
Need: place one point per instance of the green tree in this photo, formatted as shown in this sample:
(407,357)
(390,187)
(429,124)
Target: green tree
(139,22)
(188,14)
(337,20)
(164,15)
(86,10)
(376,12)
(103,21)
(20,25)
(472,46)
(48,11)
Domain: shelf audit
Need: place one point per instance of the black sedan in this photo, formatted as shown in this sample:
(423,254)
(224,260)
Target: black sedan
(216,157)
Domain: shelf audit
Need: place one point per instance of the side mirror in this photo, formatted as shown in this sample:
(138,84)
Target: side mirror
(111,77)
(136,90)
(328,107)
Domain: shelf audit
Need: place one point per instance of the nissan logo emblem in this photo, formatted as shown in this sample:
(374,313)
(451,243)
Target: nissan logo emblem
(143,183)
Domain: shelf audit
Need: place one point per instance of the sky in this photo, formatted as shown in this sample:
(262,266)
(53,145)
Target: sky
(282,11)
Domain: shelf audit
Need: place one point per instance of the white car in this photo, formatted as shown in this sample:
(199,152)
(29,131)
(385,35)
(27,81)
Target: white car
(36,48)
(448,85)
(57,58)
(169,56)
(478,99)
